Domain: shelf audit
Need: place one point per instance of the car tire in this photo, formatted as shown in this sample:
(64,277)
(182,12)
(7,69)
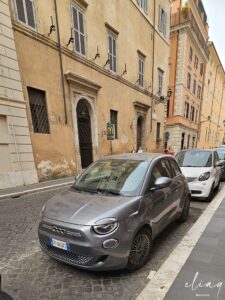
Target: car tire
(217,188)
(140,249)
(4,296)
(209,198)
(185,211)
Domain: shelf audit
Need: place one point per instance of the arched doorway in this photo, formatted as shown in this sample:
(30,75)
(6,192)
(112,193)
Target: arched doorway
(84,133)
(139,131)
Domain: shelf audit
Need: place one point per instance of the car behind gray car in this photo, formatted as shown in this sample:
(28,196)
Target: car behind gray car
(110,216)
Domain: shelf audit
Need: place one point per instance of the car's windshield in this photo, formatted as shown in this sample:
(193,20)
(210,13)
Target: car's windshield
(194,158)
(221,153)
(113,176)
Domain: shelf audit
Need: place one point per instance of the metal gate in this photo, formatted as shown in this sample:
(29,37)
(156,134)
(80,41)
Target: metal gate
(84,133)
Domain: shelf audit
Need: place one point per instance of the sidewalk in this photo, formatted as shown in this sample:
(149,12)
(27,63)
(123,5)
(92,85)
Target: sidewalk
(45,185)
(196,268)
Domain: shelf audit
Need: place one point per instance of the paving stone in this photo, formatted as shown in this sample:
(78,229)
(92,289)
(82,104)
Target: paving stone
(29,274)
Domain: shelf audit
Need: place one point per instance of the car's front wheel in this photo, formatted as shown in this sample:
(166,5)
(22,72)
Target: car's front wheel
(185,211)
(140,249)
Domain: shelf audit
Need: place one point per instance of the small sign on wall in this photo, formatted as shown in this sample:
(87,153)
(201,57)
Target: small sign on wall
(110,131)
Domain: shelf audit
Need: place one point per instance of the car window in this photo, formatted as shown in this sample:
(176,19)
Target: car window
(221,153)
(161,169)
(194,158)
(175,167)
(216,157)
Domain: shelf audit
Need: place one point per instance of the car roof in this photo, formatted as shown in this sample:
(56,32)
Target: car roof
(136,156)
(199,150)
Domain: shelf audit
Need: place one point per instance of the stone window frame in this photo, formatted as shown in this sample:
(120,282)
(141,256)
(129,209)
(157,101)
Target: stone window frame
(25,14)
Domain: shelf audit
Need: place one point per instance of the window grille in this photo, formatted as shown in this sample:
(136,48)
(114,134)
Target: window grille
(38,110)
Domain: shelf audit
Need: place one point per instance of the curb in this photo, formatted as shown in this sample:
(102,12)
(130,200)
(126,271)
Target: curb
(49,187)
(162,280)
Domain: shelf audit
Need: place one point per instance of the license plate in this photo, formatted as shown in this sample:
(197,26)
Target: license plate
(60,244)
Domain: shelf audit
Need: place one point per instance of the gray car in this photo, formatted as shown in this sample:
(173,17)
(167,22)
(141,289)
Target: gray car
(108,219)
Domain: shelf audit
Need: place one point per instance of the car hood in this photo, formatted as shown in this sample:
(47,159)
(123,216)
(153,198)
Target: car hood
(85,209)
(195,171)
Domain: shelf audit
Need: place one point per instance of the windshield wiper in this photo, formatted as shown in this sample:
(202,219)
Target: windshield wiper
(189,166)
(108,191)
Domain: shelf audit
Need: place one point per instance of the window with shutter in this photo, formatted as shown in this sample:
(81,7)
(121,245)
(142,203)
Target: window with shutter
(141,70)
(143,4)
(112,51)
(162,21)
(79,32)
(25,12)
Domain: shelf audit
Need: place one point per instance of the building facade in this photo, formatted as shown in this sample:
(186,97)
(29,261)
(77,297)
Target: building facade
(188,57)
(213,104)
(85,64)
(16,154)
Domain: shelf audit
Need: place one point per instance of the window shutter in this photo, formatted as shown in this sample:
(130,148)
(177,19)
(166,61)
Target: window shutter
(160,15)
(164,22)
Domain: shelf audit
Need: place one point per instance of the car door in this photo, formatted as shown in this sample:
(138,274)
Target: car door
(158,204)
(218,170)
(178,185)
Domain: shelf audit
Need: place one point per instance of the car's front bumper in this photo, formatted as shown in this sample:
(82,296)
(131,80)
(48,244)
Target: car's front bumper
(200,189)
(86,251)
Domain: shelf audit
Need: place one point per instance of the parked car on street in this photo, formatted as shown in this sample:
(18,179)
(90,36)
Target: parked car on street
(221,153)
(110,216)
(202,169)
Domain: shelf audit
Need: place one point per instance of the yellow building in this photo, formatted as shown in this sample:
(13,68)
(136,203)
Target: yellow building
(87,62)
(188,57)
(213,105)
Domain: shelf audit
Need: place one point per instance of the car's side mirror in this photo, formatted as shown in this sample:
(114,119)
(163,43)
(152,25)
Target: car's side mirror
(220,163)
(161,182)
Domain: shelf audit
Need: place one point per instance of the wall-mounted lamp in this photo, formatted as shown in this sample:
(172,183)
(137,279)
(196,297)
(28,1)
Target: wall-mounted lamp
(107,61)
(124,71)
(97,55)
(169,92)
(71,39)
(52,27)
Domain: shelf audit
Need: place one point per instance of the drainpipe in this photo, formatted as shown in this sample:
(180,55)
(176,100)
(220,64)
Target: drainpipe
(200,110)
(61,64)
(153,63)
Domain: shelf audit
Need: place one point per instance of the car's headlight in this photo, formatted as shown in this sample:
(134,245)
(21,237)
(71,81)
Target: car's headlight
(42,211)
(204,176)
(106,226)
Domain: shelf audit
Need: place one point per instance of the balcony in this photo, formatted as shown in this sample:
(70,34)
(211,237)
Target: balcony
(187,18)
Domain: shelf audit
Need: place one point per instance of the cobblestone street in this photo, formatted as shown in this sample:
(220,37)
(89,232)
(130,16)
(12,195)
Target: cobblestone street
(29,274)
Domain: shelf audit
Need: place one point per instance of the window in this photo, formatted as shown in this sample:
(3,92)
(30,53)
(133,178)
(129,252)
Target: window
(141,70)
(193,142)
(143,4)
(38,110)
(112,51)
(175,168)
(160,82)
(162,21)
(113,120)
(78,29)
(189,81)
(188,141)
(158,132)
(186,110)
(192,115)
(190,54)
(199,92)
(25,12)
(196,62)
(194,86)
(196,117)
(201,69)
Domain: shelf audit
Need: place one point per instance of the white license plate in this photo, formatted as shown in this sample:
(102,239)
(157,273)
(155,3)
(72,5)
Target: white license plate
(60,244)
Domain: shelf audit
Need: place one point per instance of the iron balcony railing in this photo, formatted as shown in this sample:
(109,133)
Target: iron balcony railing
(181,18)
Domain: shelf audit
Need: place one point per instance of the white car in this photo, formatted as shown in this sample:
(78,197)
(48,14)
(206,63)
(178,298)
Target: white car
(202,169)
